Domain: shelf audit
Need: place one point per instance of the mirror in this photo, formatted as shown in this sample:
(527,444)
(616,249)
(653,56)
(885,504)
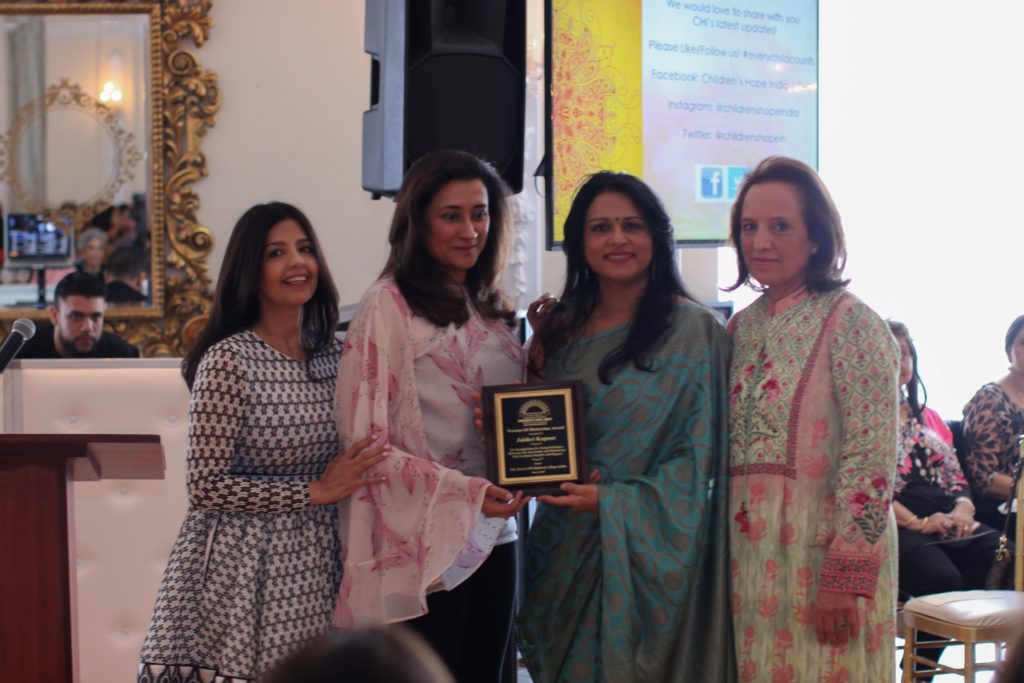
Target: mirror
(66,148)
(100,120)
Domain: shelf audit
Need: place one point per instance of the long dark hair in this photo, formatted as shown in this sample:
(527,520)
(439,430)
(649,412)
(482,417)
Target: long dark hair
(824,226)
(580,293)
(1011,334)
(915,387)
(236,304)
(423,282)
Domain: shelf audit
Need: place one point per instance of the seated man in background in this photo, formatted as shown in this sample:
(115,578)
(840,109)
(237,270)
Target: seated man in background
(126,276)
(76,324)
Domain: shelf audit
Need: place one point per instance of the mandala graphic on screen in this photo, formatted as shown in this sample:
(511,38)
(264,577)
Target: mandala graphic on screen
(593,102)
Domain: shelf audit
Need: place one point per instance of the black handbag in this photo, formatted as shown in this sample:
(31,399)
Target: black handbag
(1000,574)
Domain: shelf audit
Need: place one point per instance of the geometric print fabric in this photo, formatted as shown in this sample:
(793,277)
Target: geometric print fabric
(255,570)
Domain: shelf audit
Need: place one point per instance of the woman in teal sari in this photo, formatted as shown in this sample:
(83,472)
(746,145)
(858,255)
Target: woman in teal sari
(627,578)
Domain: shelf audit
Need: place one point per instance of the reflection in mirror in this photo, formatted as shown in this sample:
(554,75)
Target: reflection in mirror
(75,161)
(69,134)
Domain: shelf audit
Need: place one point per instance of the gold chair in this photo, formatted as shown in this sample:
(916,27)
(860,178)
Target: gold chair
(960,617)
(967,618)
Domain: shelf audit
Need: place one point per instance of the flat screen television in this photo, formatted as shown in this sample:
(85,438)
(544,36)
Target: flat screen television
(32,241)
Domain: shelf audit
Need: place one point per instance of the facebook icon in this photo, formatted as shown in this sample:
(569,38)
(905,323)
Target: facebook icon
(712,185)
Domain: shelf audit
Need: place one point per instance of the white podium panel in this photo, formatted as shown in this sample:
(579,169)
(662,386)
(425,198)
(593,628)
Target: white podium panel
(124,528)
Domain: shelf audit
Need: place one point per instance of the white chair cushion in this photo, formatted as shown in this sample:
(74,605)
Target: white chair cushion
(977,609)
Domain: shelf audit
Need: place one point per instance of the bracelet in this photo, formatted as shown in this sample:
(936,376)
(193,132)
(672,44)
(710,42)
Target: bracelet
(907,522)
(924,523)
(965,499)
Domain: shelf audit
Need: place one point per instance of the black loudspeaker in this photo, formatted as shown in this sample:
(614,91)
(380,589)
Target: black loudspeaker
(445,74)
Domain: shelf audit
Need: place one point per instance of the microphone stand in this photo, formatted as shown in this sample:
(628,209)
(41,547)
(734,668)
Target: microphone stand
(41,287)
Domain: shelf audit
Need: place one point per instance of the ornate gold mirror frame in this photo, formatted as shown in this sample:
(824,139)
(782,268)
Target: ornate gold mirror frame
(184,102)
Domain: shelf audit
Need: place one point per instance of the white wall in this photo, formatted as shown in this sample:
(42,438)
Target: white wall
(295,82)
(920,146)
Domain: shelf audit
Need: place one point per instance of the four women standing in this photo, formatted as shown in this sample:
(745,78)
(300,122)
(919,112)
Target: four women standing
(627,576)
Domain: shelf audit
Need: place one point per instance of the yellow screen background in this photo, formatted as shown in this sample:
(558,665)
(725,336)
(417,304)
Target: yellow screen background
(596,117)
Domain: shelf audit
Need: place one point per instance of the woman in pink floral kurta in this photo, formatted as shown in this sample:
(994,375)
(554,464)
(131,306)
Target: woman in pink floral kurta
(813,446)
(427,335)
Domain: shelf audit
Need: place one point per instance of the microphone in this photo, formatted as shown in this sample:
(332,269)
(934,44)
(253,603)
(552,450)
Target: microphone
(21,331)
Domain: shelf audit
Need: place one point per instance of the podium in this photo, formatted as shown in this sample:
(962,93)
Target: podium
(37,540)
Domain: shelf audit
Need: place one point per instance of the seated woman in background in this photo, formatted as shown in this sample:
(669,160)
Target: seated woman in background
(993,419)
(941,547)
(627,578)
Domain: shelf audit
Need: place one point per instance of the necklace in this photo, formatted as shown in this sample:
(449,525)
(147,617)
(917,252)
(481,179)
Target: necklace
(920,449)
(294,351)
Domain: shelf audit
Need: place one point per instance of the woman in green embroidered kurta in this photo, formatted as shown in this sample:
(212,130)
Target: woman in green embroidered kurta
(627,578)
(813,445)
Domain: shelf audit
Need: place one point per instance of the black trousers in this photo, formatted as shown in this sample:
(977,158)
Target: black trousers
(470,627)
(988,513)
(958,565)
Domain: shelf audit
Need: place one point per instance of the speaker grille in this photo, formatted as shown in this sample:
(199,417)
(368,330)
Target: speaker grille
(470,102)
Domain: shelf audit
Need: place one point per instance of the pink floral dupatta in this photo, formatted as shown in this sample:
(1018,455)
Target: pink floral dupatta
(422,530)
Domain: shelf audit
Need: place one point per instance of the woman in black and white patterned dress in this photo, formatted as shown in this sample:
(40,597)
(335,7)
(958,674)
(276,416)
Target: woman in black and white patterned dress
(255,570)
